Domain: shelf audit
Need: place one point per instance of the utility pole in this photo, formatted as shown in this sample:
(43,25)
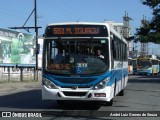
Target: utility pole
(36,30)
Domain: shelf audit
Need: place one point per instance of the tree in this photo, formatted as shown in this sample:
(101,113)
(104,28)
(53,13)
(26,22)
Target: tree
(150,31)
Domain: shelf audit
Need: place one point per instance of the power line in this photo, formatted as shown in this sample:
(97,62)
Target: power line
(36,30)
(74,11)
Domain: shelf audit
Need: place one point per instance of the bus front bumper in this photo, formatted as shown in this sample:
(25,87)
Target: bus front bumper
(105,94)
(144,72)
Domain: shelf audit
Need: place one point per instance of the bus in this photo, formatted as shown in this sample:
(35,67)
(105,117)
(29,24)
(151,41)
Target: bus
(74,70)
(147,66)
(134,61)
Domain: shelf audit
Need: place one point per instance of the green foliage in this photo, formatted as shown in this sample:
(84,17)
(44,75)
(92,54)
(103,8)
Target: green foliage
(150,31)
(151,3)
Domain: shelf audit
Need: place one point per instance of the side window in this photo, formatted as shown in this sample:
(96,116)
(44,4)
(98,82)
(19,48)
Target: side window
(114,49)
(123,51)
(119,49)
(117,46)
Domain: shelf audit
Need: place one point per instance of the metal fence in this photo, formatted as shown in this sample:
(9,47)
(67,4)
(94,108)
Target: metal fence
(11,74)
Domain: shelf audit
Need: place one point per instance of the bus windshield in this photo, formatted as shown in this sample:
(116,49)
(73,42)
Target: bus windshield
(144,64)
(76,56)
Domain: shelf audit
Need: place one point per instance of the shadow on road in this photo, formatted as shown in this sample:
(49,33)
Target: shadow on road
(144,81)
(32,100)
(146,76)
(144,90)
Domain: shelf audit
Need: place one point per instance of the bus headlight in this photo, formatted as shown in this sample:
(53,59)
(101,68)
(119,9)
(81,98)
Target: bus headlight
(101,84)
(49,84)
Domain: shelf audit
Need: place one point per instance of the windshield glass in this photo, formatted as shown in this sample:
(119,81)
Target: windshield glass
(144,64)
(76,56)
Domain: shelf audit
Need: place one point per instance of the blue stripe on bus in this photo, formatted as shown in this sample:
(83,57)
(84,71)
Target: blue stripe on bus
(117,75)
(88,80)
(144,72)
(93,80)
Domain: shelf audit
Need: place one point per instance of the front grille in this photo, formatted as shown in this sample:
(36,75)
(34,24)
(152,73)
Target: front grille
(72,87)
(74,93)
(69,80)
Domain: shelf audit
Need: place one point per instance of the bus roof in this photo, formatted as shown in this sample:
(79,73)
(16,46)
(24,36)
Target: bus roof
(78,23)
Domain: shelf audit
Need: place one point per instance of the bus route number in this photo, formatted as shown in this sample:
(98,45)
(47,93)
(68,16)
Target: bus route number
(59,31)
(82,65)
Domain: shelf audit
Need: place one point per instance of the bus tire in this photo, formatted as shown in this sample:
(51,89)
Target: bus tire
(121,93)
(110,103)
(114,94)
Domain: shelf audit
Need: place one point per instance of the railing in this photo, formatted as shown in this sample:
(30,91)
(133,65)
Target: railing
(18,72)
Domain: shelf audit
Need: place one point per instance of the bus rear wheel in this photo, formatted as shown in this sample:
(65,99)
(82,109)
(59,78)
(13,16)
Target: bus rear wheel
(121,93)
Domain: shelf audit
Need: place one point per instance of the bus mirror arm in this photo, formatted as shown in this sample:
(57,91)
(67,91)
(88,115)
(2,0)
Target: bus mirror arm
(112,45)
(38,49)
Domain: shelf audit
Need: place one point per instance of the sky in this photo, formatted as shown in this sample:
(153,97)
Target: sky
(14,13)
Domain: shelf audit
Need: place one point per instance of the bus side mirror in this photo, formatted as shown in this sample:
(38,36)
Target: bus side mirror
(36,50)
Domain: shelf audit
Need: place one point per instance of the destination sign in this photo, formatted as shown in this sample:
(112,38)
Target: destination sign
(77,31)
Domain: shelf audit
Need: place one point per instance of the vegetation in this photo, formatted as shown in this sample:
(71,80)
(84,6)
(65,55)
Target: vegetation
(150,31)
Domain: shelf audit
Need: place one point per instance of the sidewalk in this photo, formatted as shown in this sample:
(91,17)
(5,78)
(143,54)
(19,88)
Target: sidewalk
(12,87)
(15,85)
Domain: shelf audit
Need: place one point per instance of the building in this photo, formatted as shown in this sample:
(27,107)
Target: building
(119,27)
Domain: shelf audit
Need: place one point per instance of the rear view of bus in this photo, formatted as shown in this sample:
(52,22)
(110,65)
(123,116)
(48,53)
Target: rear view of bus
(77,64)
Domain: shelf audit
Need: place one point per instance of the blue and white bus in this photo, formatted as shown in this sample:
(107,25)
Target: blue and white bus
(83,62)
(147,66)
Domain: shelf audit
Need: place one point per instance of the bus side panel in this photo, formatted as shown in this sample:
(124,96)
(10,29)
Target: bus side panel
(119,76)
(119,83)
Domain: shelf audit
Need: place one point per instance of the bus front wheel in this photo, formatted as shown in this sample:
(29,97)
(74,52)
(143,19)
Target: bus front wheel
(110,103)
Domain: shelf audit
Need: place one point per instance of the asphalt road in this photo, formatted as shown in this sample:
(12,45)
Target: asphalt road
(141,94)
